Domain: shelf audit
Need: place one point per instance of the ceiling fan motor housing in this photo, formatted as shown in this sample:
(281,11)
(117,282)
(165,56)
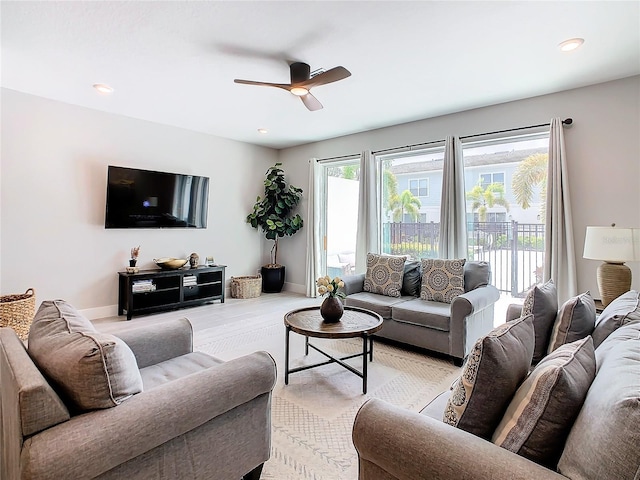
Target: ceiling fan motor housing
(300,72)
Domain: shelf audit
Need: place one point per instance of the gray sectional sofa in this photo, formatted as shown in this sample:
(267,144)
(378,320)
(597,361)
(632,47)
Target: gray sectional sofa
(196,416)
(603,441)
(446,328)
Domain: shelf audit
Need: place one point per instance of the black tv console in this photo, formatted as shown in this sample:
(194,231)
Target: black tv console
(151,291)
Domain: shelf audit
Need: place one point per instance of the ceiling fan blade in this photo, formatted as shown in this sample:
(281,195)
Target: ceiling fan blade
(284,86)
(311,102)
(330,76)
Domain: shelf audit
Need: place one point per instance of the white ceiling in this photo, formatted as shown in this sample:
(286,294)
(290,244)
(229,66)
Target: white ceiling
(174,62)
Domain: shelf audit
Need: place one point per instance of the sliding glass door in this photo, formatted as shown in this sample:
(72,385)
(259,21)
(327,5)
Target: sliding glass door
(340,183)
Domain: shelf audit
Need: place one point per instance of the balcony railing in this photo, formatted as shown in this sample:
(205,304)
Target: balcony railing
(515,250)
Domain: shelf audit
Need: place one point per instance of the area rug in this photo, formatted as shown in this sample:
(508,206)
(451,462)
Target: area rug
(313,416)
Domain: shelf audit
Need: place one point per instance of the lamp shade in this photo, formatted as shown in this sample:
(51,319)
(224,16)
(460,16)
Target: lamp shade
(612,244)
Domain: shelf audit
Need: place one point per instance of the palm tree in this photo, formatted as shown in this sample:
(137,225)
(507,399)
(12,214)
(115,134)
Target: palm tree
(389,188)
(405,202)
(485,198)
(531,173)
(351,172)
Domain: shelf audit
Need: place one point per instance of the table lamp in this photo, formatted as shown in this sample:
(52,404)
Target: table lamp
(613,246)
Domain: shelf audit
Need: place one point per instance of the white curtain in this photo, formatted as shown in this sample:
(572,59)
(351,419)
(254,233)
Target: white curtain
(453,213)
(368,217)
(559,261)
(312,225)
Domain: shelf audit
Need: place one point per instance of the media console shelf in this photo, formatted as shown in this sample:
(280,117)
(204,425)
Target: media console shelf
(151,291)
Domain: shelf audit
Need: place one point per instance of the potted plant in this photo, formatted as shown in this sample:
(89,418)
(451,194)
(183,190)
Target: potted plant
(273,213)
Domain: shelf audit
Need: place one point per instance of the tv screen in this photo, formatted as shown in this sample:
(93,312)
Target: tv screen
(147,199)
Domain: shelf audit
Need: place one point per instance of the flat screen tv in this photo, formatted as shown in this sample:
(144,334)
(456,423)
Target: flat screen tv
(147,199)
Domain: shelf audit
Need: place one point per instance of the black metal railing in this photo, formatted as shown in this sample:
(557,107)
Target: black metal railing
(515,250)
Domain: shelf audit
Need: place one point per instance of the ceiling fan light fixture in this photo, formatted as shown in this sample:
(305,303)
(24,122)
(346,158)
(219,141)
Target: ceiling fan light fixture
(299,91)
(103,89)
(571,44)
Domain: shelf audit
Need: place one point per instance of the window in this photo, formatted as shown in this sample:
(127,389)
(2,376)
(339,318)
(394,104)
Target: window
(491,217)
(419,187)
(410,185)
(487,179)
(505,182)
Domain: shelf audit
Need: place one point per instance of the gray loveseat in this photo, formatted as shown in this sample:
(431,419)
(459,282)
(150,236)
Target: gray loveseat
(451,329)
(603,443)
(197,417)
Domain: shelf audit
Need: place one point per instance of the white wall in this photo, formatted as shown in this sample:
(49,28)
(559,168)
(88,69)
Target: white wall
(53,189)
(603,149)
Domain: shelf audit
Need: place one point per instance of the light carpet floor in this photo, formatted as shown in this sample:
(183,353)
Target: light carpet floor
(312,417)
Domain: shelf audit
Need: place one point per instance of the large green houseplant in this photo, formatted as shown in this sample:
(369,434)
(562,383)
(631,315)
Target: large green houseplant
(273,214)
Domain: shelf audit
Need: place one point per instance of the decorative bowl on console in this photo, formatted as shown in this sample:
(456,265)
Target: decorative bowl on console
(170,263)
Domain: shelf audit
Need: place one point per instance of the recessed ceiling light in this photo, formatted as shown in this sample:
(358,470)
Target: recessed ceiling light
(571,44)
(102,88)
(263,130)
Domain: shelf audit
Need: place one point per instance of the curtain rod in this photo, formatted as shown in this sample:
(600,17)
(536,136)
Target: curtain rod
(407,146)
(567,121)
(320,160)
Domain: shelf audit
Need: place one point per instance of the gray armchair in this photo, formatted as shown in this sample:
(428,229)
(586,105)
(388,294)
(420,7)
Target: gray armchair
(196,418)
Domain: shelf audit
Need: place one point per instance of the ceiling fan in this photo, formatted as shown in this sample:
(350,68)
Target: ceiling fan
(302,82)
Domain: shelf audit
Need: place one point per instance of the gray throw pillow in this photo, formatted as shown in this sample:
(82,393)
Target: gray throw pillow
(93,369)
(541,302)
(476,274)
(384,274)
(623,310)
(542,412)
(496,366)
(603,442)
(575,321)
(412,279)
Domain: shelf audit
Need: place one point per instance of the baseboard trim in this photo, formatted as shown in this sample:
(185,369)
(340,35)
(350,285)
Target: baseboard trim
(295,288)
(100,312)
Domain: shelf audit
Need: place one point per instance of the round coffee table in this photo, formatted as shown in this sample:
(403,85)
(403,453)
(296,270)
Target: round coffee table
(356,322)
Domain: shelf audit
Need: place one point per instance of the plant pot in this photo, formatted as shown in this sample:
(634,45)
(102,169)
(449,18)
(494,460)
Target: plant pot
(132,262)
(272,279)
(332,309)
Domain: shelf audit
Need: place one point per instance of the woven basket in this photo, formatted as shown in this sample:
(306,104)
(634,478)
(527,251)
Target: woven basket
(17,311)
(246,287)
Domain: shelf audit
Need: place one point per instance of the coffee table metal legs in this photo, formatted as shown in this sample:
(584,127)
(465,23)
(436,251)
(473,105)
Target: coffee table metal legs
(364,364)
(286,356)
(367,351)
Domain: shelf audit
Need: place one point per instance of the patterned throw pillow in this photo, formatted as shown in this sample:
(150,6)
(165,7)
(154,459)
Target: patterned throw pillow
(575,320)
(442,280)
(384,274)
(542,412)
(542,303)
(496,366)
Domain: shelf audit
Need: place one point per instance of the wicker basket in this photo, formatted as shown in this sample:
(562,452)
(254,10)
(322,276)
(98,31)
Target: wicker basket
(17,311)
(246,287)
